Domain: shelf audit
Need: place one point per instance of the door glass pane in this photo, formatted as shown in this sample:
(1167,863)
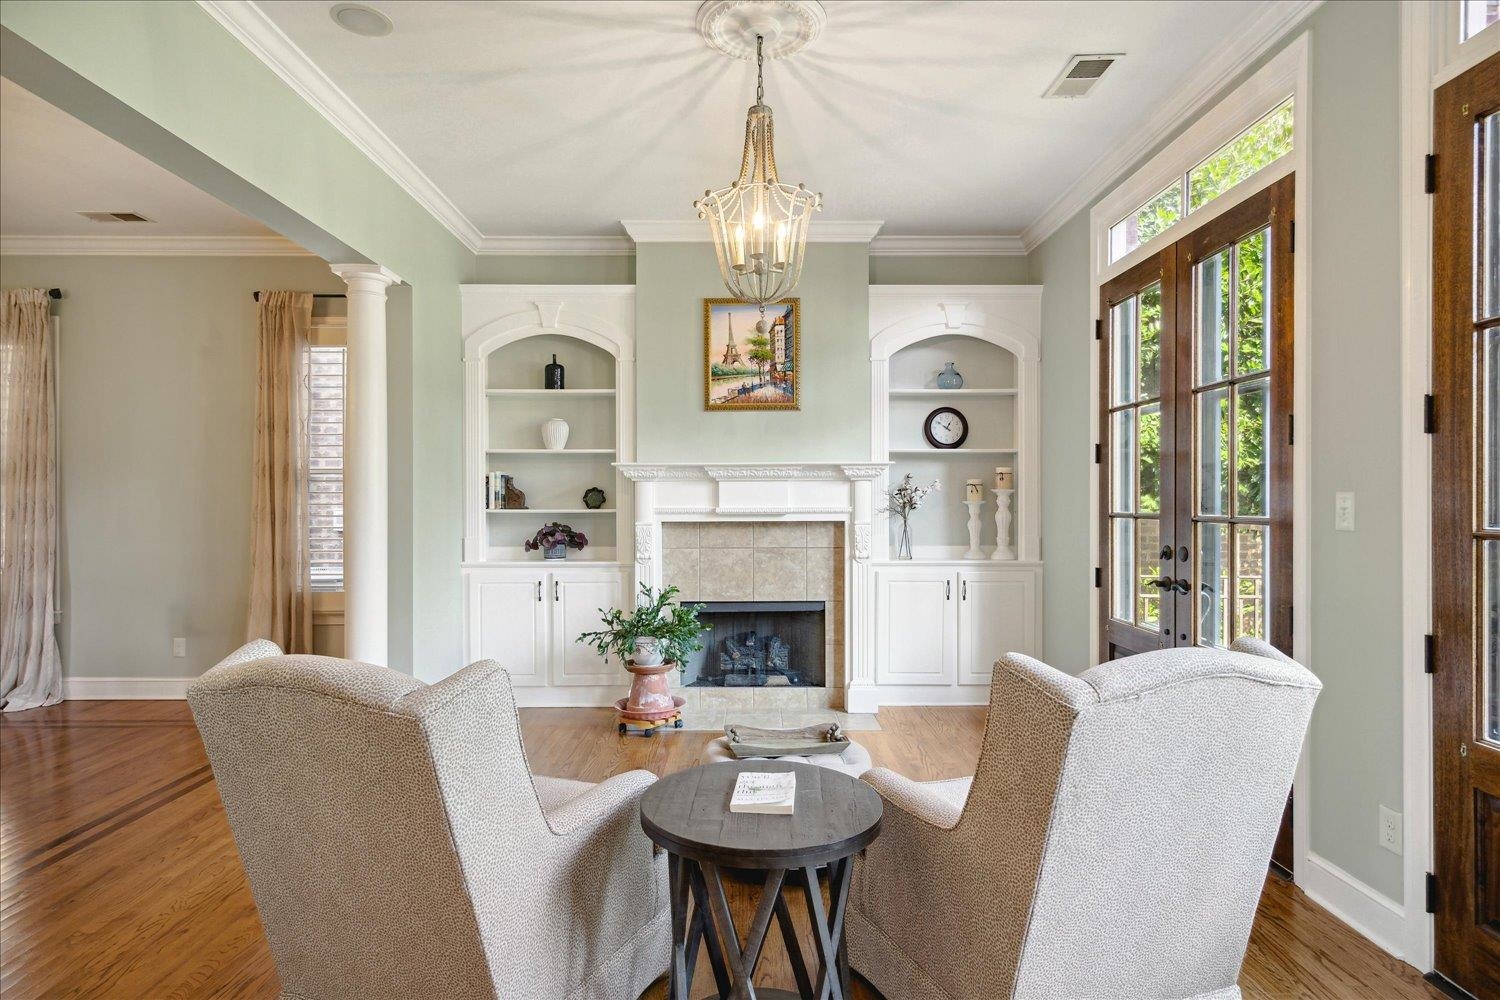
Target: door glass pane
(1490,610)
(1148,426)
(1148,555)
(1122,549)
(1211,590)
(1489,216)
(1122,352)
(1150,342)
(1212,346)
(1490,421)
(1212,422)
(1251,580)
(1252,292)
(1252,470)
(1122,459)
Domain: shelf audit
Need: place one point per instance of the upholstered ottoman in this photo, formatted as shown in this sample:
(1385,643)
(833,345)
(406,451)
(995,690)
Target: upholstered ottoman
(854,761)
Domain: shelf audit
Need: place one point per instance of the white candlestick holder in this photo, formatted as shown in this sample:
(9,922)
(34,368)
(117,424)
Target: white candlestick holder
(1003,548)
(974,508)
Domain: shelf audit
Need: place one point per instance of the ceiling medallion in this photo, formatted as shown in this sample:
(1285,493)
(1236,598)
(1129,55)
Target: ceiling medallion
(757,223)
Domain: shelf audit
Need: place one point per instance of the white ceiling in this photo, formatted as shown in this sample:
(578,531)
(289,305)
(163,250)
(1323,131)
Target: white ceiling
(52,166)
(538,117)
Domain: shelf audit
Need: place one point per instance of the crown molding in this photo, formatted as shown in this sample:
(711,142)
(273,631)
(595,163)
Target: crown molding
(947,246)
(1207,79)
(672,231)
(151,246)
(258,33)
(607,246)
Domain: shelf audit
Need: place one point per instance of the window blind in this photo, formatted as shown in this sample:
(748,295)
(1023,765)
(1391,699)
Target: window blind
(325,430)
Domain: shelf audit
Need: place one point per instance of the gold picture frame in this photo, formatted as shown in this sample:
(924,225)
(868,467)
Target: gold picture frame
(732,380)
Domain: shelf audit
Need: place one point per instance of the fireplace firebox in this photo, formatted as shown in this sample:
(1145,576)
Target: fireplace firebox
(759,643)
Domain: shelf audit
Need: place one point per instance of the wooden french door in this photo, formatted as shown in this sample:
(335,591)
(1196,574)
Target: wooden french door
(1466,528)
(1196,386)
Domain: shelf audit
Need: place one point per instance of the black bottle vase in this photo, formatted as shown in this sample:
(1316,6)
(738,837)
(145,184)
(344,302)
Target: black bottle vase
(552,378)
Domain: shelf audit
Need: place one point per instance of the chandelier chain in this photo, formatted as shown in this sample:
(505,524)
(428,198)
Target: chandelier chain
(760,66)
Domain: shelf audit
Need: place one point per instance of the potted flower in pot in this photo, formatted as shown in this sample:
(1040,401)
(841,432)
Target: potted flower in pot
(657,636)
(555,540)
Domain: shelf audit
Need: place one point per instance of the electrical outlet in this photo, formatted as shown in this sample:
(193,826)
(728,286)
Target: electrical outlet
(1390,830)
(179,646)
(1343,512)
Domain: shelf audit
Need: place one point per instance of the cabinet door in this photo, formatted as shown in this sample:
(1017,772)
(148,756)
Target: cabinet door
(996,615)
(917,626)
(508,623)
(576,598)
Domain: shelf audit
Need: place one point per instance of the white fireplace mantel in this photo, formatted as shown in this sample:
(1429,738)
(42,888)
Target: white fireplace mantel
(812,491)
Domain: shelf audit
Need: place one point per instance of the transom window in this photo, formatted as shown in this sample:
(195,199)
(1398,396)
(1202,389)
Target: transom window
(1255,148)
(1476,15)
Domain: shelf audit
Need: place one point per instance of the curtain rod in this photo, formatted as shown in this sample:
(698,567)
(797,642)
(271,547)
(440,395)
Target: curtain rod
(316,295)
(54,293)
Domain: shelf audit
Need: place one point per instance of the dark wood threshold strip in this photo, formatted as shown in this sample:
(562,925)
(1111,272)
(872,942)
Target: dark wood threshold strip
(128,813)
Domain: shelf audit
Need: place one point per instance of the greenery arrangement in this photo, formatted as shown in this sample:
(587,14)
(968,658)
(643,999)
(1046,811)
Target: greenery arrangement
(675,627)
(555,534)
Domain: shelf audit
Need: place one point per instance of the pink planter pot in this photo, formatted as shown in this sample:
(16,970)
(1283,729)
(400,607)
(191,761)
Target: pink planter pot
(650,697)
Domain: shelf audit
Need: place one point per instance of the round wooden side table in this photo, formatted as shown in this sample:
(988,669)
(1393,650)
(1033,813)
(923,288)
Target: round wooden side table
(687,815)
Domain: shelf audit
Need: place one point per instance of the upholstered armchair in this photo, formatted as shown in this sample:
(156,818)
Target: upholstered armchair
(398,845)
(1112,843)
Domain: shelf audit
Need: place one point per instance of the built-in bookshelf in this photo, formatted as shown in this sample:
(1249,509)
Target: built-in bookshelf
(513,335)
(989,334)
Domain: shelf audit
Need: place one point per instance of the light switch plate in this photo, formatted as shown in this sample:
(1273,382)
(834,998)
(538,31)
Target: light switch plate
(1343,512)
(179,646)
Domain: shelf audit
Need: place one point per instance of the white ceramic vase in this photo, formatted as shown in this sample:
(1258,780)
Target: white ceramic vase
(555,434)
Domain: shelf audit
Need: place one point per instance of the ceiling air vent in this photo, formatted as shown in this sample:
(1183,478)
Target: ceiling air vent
(114,217)
(1080,74)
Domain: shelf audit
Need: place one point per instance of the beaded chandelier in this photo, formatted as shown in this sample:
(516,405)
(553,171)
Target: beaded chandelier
(759,224)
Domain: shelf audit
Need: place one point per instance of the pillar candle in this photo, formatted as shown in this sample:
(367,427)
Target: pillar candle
(1005,478)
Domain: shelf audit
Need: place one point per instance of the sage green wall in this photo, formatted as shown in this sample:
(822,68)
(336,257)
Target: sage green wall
(949,270)
(1067,439)
(672,280)
(555,269)
(195,91)
(1353,334)
(156,423)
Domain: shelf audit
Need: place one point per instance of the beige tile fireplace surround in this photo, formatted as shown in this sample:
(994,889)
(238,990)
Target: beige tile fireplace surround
(762,561)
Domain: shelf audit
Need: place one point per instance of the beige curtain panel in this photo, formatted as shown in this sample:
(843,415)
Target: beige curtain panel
(280,567)
(30,665)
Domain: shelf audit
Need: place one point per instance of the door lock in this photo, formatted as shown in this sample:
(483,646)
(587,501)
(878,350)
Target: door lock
(1166,552)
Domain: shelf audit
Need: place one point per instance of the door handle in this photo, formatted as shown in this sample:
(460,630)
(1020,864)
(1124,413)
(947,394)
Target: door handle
(539,590)
(555,598)
(964,591)
(947,590)
(1181,585)
(1161,583)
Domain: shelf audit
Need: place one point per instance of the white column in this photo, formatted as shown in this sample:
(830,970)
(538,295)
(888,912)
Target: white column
(860,694)
(366,467)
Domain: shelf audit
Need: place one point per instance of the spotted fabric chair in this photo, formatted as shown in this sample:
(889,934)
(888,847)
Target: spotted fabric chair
(1112,843)
(398,845)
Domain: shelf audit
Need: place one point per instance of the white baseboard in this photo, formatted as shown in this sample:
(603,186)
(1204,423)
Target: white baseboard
(126,688)
(583,696)
(1373,914)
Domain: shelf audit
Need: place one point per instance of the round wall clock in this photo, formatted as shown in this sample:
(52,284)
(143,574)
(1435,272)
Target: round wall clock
(945,427)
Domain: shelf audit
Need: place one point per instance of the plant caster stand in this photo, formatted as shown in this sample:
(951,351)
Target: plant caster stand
(648,727)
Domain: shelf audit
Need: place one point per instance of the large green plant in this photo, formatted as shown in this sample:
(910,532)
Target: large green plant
(675,626)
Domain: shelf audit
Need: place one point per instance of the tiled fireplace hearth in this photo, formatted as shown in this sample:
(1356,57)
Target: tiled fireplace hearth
(793,535)
(767,580)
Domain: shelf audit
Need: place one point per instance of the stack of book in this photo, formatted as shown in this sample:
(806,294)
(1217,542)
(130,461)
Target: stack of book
(494,491)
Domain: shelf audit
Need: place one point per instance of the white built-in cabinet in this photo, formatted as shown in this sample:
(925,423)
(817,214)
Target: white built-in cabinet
(529,620)
(946,625)
(941,621)
(522,610)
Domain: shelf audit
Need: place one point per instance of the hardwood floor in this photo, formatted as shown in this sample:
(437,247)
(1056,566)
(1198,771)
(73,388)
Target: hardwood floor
(118,876)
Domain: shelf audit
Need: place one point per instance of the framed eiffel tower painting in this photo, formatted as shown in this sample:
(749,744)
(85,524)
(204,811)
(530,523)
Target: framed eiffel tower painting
(747,365)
